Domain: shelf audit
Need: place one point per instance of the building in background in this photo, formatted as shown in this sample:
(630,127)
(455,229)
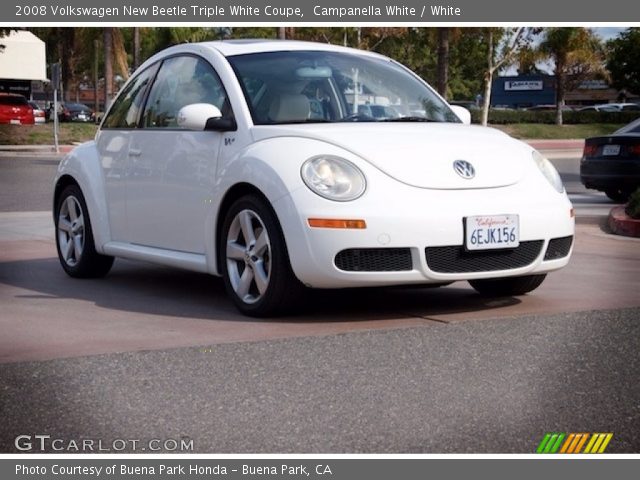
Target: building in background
(23,64)
(525,91)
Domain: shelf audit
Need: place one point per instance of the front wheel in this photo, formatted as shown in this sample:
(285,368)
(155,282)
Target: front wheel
(254,260)
(74,239)
(508,286)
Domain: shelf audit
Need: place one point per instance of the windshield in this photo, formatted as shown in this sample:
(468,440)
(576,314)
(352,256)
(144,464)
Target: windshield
(316,86)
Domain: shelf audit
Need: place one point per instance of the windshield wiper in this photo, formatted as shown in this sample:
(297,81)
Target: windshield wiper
(409,119)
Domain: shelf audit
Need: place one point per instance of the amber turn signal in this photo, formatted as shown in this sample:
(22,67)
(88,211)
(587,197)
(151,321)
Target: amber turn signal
(336,223)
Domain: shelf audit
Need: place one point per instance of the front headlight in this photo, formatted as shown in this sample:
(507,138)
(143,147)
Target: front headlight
(549,171)
(333,177)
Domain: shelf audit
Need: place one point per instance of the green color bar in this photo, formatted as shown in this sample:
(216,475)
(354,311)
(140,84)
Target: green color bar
(555,448)
(543,443)
(551,443)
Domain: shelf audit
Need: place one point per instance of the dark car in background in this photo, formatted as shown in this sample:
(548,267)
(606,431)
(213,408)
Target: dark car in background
(72,112)
(15,110)
(76,112)
(611,163)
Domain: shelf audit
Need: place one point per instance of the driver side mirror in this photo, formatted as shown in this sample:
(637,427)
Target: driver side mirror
(204,116)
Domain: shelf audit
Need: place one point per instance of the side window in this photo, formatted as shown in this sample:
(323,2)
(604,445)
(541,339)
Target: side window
(124,113)
(182,81)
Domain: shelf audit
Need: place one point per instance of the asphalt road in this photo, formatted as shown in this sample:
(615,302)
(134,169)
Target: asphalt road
(152,352)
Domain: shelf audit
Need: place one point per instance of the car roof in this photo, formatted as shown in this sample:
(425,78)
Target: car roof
(230,48)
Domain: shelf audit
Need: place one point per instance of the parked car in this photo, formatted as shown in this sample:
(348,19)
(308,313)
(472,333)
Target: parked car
(549,107)
(611,163)
(38,113)
(212,159)
(611,107)
(75,112)
(15,110)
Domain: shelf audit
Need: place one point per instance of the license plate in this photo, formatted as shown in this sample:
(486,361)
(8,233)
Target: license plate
(487,232)
(610,150)
(15,122)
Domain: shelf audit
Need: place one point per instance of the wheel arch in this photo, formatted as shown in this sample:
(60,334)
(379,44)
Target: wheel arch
(234,193)
(81,167)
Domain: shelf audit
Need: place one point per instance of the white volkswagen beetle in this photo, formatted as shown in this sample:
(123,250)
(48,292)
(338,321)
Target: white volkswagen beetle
(261,161)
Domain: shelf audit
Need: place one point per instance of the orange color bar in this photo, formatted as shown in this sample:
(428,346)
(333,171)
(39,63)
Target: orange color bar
(576,438)
(584,439)
(567,442)
(336,223)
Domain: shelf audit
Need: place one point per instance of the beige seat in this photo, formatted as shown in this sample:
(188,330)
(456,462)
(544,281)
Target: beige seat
(289,107)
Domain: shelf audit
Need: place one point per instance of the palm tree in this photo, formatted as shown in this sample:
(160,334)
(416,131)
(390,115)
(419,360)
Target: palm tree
(577,54)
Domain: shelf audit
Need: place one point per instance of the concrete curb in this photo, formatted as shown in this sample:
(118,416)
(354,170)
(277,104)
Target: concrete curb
(566,144)
(622,224)
(36,148)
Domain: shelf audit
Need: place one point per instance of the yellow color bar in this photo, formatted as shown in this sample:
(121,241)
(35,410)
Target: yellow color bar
(593,440)
(605,442)
(336,223)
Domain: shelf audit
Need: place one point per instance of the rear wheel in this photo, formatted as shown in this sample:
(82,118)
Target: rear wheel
(254,260)
(508,286)
(74,238)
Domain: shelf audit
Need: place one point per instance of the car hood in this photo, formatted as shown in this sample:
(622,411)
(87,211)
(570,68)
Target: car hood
(422,154)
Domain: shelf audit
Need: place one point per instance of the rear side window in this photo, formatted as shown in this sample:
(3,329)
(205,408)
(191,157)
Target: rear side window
(12,100)
(125,111)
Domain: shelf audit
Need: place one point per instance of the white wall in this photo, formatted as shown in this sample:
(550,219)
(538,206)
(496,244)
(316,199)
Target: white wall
(24,57)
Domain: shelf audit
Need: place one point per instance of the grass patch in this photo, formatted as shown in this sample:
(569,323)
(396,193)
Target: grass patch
(81,132)
(558,132)
(68,133)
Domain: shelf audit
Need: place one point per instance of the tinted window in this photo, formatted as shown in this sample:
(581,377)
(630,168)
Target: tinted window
(124,113)
(182,81)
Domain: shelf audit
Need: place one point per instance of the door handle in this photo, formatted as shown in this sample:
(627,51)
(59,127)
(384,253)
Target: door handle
(135,152)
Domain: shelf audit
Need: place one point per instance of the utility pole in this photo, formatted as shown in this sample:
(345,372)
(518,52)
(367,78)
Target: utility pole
(96,79)
(108,67)
(282,33)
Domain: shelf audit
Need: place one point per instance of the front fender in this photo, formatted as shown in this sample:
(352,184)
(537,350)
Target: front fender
(82,164)
(273,167)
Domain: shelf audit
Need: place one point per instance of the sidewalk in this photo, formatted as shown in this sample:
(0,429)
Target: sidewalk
(40,149)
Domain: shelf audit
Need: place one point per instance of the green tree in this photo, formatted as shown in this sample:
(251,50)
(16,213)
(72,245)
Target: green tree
(577,54)
(624,60)
(502,44)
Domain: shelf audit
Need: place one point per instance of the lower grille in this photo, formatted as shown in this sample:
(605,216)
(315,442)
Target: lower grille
(558,248)
(374,260)
(455,259)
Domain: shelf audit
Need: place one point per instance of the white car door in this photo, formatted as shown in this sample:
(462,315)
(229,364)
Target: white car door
(113,142)
(171,171)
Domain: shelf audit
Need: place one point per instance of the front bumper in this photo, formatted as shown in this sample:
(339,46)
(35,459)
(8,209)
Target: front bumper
(418,220)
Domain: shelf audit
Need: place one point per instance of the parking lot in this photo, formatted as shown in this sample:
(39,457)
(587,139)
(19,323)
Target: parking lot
(152,352)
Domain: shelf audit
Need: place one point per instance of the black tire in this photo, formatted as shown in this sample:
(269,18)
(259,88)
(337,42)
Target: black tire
(83,262)
(235,255)
(618,195)
(507,286)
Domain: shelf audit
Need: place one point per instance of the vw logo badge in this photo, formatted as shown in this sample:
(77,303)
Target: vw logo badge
(464,169)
